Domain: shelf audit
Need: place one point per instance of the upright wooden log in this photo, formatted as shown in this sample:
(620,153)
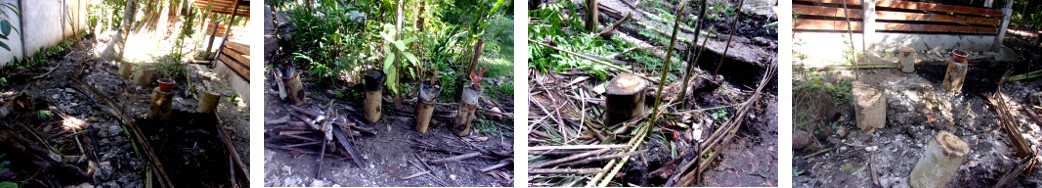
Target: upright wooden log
(125,68)
(907,59)
(870,103)
(143,76)
(591,15)
(294,88)
(624,98)
(465,113)
(425,106)
(209,102)
(941,159)
(955,76)
(373,95)
(161,105)
(1007,13)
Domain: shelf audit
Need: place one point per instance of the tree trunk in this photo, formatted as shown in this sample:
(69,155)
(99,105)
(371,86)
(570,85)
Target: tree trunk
(115,49)
(591,15)
(944,154)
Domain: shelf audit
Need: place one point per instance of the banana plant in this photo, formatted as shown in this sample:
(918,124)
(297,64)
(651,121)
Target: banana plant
(5,25)
(396,57)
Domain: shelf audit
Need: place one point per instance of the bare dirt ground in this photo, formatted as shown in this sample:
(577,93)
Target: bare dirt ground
(842,155)
(103,140)
(394,154)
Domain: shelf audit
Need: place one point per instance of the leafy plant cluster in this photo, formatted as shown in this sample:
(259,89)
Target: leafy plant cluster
(40,57)
(105,14)
(337,37)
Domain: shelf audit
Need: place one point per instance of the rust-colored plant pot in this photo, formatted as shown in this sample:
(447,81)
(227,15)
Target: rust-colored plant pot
(165,84)
(959,55)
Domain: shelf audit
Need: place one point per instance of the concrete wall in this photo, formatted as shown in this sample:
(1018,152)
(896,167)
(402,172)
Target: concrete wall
(43,27)
(816,49)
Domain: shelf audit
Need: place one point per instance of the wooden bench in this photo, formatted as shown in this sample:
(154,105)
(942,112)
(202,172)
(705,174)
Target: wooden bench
(896,16)
(237,57)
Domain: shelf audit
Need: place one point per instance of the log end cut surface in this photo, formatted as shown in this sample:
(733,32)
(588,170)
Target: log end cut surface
(951,144)
(626,84)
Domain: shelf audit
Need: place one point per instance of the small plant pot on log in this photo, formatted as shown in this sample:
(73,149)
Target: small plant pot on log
(944,154)
(294,88)
(465,113)
(374,80)
(870,103)
(624,98)
(209,102)
(959,55)
(161,105)
(425,105)
(125,68)
(166,84)
(907,59)
(143,76)
(955,76)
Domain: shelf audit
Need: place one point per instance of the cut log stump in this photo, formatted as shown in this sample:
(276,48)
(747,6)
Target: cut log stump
(870,103)
(624,98)
(209,102)
(143,76)
(907,61)
(944,154)
(955,76)
(161,105)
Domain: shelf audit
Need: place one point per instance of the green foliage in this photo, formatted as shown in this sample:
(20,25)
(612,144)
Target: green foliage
(796,172)
(43,115)
(839,92)
(170,66)
(396,52)
(5,25)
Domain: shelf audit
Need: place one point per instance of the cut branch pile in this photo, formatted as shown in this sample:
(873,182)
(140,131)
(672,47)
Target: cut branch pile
(308,131)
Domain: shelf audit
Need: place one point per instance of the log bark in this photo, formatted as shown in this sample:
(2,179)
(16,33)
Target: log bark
(209,102)
(907,61)
(294,88)
(143,76)
(161,105)
(591,15)
(941,159)
(870,106)
(955,76)
(624,98)
(465,112)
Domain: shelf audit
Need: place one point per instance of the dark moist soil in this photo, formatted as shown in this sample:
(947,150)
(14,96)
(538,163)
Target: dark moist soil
(395,152)
(982,77)
(187,146)
(917,109)
(118,164)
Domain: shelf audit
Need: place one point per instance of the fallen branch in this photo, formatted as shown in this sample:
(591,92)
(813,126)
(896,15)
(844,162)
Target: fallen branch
(564,171)
(567,159)
(1027,163)
(457,158)
(497,165)
(425,172)
(595,60)
(601,158)
(610,30)
(576,147)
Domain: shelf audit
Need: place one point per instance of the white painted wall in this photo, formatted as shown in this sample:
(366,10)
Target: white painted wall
(816,49)
(43,25)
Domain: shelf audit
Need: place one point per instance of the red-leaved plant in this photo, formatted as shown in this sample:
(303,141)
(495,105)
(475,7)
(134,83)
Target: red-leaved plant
(476,78)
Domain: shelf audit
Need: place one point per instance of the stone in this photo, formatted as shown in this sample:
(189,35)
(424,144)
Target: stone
(55,96)
(70,90)
(111,184)
(318,183)
(801,140)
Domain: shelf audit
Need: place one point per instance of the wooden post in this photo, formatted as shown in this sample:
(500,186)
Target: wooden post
(941,159)
(425,105)
(624,98)
(989,3)
(869,27)
(21,27)
(955,76)
(374,80)
(161,105)
(907,59)
(1007,12)
(143,76)
(465,113)
(125,68)
(870,107)
(591,15)
(294,88)
(213,35)
(209,102)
